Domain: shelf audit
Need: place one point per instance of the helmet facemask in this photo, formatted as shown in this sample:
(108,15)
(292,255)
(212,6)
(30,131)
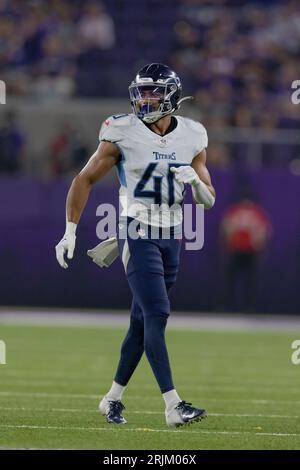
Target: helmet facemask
(152,100)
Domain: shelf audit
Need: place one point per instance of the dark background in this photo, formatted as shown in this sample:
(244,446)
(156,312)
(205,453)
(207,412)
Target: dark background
(67,66)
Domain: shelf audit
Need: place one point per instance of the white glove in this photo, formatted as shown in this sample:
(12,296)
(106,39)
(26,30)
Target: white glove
(66,244)
(105,253)
(201,193)
(185,174)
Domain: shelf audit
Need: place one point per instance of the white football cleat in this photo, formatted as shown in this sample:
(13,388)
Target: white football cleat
(112,409)
(184,414)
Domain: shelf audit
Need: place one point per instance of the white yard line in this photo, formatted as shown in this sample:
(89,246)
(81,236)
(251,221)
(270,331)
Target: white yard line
(143,412)
(139,397)
(121,429)
(49,395)
(225,388)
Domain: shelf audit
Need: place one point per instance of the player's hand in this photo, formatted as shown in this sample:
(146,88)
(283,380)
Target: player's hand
(185,174)
(66,245)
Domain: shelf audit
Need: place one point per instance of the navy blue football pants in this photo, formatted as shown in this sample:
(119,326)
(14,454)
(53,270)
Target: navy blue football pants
(151,267)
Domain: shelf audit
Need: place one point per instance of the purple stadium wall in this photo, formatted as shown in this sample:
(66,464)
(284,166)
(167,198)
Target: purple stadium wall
(32,222)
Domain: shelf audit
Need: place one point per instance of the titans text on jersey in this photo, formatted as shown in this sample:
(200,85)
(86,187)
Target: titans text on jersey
(146,181)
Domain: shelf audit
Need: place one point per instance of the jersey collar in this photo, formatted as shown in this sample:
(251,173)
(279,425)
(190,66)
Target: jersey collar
(172,126)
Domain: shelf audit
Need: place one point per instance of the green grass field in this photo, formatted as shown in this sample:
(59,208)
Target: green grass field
(54,377)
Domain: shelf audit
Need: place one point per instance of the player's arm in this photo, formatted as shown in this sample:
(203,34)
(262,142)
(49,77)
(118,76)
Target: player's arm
(105,157)
(197,175)
(203,190)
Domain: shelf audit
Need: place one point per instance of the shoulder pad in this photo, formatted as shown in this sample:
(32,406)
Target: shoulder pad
(194,125)
(112,126)
(119,120)
(198,135)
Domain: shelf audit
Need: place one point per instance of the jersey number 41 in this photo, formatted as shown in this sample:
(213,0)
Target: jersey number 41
(156,193)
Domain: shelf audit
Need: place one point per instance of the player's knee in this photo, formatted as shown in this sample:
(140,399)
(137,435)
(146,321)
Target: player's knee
(159,307)
(136,323)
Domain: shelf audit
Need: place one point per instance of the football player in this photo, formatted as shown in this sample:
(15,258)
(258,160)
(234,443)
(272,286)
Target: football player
(156,155)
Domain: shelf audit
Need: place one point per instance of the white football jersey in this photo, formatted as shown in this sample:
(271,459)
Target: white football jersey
(149,191)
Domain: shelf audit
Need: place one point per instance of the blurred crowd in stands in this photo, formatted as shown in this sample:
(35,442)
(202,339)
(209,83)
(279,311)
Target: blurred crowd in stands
(43,42)
(237,58)
(12,142)
(240,61)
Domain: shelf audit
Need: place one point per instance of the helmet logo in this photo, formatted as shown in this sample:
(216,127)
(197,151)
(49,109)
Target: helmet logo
(144,79)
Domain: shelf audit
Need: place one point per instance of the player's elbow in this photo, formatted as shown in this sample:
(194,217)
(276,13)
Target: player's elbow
(82,181)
